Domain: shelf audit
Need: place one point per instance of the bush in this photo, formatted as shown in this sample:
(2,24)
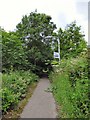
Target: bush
(14,87)
(70,81)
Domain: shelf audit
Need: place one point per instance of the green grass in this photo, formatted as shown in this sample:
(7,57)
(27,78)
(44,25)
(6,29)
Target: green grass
(70,87)
(62,91)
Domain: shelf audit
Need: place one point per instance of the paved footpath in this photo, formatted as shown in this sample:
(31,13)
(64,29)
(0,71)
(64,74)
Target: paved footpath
(42,103)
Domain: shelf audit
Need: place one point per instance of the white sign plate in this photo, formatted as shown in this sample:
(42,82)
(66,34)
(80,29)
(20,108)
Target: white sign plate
(56,55)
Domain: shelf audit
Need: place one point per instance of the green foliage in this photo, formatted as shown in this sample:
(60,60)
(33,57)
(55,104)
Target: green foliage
(14,87)
(70,81)
(34,30)
(30,48)
(72,41)
(13,56)
(54,62)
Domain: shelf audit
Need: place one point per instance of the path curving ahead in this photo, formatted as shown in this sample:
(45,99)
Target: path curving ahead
(42,103)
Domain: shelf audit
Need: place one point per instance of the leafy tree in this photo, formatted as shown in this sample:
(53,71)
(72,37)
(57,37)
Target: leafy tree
(35,31)
(71,40)
(13,56)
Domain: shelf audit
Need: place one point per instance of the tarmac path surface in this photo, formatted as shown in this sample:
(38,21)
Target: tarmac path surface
(42,103)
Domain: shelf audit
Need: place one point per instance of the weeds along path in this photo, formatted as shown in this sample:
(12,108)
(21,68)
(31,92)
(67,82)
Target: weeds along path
(42,103)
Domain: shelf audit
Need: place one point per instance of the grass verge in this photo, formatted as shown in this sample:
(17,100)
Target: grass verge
(70,87)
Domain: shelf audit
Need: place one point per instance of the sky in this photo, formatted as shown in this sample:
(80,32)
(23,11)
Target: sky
(63,12)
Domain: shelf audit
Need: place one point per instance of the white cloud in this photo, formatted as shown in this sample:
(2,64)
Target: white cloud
(62,12)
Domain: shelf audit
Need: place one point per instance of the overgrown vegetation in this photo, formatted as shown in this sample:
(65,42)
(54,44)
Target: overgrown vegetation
(28,52)
(14,88)
(25,55)
(70,87)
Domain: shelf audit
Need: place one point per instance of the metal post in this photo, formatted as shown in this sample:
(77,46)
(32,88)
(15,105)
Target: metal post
(59,49)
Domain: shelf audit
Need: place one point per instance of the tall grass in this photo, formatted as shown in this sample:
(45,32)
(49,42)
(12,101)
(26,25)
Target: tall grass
(70,87)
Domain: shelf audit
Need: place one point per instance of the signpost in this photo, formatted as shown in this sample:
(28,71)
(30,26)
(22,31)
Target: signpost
(57,54)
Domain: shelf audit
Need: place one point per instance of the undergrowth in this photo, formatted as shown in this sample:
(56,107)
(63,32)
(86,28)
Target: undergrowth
(70,87)
(14,88)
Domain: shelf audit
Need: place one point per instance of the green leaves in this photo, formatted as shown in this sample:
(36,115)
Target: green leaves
(13,52)
(33,29)
(14,87)
(72,40)
(71,80)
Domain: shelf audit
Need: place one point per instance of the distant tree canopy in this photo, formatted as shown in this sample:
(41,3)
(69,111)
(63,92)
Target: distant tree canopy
(30,46)
(72,41)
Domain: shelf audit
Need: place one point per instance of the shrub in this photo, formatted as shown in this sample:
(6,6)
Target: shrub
(14,87)
(71,82)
